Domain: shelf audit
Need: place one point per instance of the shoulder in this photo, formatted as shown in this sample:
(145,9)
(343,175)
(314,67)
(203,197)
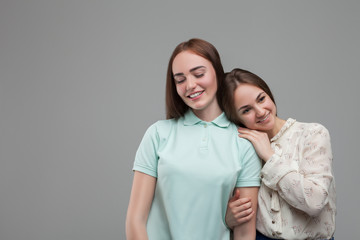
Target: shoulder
(311,127)
(162,128)
(160,124)
(311,130)
(241,142)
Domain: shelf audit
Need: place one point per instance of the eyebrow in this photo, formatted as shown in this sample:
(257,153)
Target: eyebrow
(191,70)
(257,98)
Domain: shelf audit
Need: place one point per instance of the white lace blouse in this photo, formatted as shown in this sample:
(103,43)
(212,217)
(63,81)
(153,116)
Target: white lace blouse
(297,194)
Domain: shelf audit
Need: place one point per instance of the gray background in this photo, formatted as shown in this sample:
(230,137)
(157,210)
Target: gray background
(82,80)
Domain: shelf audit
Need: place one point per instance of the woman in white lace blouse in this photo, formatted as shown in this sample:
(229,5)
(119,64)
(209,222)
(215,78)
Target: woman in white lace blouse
(297,195)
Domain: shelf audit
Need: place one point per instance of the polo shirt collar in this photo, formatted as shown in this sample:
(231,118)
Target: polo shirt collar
(191,119)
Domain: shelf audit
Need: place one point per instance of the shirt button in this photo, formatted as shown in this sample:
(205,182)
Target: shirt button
(205,125)
(262,176)
(273,234)
(273,222)
(270,195)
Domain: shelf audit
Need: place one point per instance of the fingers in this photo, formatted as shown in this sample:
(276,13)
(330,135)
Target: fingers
(239,211)
(243,201)
(243,213)
(247,133)
(243,210)
(246,130)
(251,132)
(242,207)
(248,137)
(253,135)
(244,219)
(239,205)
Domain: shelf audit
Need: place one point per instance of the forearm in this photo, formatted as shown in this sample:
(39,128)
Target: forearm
(245,231)
(139,206)
(135,230)
(307,194)
(302,177)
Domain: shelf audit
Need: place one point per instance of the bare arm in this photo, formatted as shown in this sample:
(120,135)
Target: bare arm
(141,197)
(239,210)
(247,230)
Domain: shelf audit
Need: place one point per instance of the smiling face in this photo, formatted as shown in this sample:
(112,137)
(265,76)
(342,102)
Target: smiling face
(196,84)
(255,109)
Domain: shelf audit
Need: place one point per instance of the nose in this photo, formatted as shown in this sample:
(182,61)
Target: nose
(190,83)
(259,111)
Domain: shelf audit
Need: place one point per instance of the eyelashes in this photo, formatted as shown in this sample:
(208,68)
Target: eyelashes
(245,111)
(181,78)
(259,100)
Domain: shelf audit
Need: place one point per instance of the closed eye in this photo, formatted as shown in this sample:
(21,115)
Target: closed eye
(199,75)
(179,79)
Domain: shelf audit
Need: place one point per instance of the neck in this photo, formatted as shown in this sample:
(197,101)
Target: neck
(208,114)
(279,123)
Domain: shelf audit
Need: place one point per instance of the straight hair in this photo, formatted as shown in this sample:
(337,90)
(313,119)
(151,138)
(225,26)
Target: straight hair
(175,106)
(232,80)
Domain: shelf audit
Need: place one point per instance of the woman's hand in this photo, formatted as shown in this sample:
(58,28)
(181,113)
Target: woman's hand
(259,140)
(239,210)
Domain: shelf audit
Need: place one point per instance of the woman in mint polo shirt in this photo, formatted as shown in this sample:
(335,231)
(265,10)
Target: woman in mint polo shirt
(187,167)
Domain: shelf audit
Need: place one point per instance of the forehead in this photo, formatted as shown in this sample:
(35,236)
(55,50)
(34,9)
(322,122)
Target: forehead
(246,93)
(187,60)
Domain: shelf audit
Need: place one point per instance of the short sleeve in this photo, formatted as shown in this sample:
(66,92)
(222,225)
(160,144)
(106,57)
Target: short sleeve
(146,158)
(251,166)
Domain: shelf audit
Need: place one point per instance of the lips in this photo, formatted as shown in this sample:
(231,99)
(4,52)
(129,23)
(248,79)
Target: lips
(265,118)
(195,95)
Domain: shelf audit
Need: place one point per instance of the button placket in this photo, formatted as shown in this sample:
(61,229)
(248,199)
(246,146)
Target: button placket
(205,136)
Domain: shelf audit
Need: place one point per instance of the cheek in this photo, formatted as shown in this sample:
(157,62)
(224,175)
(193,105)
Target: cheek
(271,105)
(179,90)
(246,121)
(214,84)
(241,118)
(209,83)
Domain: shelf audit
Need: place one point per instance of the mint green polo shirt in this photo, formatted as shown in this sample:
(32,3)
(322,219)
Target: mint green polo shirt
(197,165)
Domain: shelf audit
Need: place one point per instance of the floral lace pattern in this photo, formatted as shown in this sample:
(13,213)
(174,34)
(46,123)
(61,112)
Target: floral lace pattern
(297,193)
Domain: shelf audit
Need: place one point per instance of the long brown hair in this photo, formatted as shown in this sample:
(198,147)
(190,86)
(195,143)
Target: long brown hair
(232,80)
(175,106)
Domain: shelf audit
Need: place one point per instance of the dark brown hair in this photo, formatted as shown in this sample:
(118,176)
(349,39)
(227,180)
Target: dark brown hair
(175,106)
(232,80)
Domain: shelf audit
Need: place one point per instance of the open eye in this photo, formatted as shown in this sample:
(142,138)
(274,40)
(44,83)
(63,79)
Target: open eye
(261,99)
(246,110)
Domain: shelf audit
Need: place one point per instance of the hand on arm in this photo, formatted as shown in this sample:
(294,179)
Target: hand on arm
(259,140)
(239,210)
(247,230)
(141,197)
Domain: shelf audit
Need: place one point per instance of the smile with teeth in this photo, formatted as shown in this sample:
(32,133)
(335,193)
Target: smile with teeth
(194,95)
(266,117)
